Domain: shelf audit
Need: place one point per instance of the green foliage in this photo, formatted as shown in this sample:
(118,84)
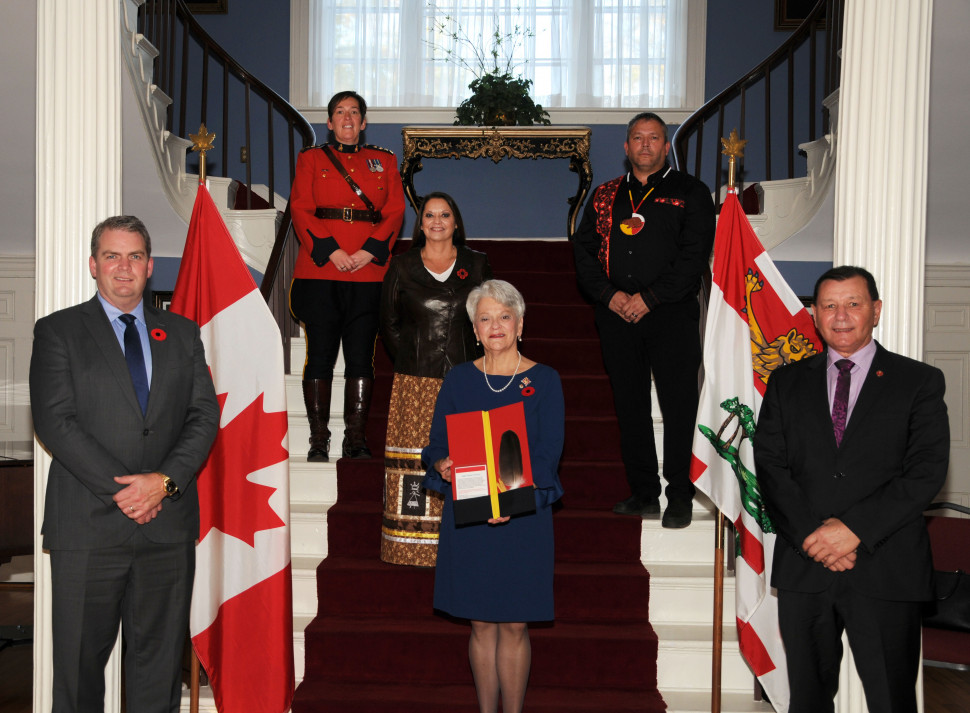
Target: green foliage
(499,99)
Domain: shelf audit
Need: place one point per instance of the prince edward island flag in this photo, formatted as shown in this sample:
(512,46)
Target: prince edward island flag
(755,324)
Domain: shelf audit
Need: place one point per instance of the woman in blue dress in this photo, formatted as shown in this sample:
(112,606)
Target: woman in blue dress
(499,574)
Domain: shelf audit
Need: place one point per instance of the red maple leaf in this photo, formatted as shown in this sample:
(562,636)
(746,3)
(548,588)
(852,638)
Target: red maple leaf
(227,501)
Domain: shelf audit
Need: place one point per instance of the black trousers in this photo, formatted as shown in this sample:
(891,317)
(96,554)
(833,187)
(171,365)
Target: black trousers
(144,586)
(666,343)
(332,313)
(884,637)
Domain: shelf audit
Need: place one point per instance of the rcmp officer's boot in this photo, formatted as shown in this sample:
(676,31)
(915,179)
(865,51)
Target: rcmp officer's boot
(357,395)
(316,397)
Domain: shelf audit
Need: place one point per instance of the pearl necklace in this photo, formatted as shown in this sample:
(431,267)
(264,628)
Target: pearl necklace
(498,391)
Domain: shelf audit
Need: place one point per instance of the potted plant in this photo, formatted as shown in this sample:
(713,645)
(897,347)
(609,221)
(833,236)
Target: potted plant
(498,97)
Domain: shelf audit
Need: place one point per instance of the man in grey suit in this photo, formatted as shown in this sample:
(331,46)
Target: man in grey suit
(852,445)
(122,399)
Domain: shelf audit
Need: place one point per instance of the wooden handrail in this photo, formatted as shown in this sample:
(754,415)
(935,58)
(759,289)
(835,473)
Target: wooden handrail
(696,140)
(182,72)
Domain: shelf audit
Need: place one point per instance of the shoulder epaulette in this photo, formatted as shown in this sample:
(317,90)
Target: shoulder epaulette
(315,146)
(377,148)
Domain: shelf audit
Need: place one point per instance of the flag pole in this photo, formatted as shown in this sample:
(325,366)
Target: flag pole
(201,142)
(194,683)
(718,613)
(733,148)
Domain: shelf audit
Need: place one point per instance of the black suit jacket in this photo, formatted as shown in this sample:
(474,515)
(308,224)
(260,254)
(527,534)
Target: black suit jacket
(891,464)
(87,415)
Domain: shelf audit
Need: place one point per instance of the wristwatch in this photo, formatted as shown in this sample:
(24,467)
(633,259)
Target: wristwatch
(169,486)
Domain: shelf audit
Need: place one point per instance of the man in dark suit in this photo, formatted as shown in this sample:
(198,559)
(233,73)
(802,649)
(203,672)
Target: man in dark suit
(852,445)
(127,409)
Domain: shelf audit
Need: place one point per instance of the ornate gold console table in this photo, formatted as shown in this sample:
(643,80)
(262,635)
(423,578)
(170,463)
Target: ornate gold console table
(496,143)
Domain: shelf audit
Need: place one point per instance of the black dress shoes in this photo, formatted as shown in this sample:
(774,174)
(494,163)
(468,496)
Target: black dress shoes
(678,514)
(635,505)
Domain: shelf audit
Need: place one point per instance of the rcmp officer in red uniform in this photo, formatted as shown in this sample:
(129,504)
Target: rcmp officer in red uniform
(348,205)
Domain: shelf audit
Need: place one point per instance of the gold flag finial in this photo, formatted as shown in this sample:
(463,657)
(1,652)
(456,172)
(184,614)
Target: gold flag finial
(733,149)
(202,142)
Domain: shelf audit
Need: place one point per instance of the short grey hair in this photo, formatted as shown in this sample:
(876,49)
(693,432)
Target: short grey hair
(127,223)
(499,290)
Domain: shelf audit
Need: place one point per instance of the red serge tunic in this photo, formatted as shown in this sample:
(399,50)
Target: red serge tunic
(318,184)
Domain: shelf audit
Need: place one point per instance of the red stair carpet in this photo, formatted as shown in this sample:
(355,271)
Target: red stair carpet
(377,646)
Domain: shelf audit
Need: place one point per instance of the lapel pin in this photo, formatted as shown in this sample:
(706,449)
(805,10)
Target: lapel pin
(159,335)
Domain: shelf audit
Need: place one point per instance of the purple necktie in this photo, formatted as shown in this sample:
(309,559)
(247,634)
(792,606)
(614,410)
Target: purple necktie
(840,404)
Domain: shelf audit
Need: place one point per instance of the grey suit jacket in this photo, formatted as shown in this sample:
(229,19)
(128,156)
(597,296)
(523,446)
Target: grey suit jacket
(87,415)
(891,464)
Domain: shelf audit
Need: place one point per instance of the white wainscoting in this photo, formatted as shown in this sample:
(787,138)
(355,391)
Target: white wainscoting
(16,338)
(946,345)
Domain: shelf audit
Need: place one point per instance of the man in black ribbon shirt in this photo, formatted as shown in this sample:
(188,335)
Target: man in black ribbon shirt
(641,248)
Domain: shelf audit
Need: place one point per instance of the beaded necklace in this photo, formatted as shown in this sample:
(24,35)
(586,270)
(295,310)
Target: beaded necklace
(498,391)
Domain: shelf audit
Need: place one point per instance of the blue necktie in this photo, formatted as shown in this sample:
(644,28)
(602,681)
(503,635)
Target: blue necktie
(136,361)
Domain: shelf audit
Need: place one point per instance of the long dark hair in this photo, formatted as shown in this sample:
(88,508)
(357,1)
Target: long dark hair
(419,239)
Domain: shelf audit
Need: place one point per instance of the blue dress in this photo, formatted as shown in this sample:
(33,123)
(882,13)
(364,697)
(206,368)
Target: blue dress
(500,572)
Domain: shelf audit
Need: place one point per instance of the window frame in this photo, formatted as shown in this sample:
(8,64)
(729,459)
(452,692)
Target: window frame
(696,59)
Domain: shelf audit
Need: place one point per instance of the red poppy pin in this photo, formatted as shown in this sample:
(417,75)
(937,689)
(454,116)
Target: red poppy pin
(528,391)
(159,335)
(462,274)
(879,373)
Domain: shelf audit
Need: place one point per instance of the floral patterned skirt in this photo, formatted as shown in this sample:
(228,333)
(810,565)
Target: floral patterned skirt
(412,515)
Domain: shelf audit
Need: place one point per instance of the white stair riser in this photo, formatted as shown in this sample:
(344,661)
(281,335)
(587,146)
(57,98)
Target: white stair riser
(304,592)
(686,665)
(694,544)
(675,600)
(311,482)
(299,656)
(308,534)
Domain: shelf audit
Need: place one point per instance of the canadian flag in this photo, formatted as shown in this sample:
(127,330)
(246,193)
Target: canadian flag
(755,323)
(242,607)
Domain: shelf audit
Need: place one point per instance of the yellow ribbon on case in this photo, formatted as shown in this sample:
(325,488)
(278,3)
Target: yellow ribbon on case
(490,466)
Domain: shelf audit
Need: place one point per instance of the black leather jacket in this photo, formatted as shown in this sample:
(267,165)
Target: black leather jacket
(424,324)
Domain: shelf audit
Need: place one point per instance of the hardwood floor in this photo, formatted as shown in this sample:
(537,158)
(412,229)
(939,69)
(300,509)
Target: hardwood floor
(944,690)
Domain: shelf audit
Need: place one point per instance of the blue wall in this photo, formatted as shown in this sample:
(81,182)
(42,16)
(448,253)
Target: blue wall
(740,34)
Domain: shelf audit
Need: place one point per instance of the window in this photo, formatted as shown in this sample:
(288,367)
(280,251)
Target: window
(588,54)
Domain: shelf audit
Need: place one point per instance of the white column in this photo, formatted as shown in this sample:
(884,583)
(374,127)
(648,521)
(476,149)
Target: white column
(78,185)
(880,204)
(880,189)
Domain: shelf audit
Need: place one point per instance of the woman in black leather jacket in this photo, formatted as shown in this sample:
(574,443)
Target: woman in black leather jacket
(426,330)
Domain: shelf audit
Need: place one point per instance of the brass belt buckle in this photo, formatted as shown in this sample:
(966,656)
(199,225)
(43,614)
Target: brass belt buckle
(348,216)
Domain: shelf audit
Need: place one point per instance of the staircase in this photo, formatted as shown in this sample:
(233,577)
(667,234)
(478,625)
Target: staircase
(679,562)
(172,107)
(794,92)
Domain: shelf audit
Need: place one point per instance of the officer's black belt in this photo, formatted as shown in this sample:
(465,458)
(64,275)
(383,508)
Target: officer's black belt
(348,215)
